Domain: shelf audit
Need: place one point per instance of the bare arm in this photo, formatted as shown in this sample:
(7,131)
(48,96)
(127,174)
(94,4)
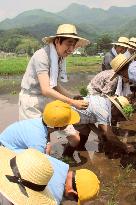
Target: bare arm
(52,93)
(111,137)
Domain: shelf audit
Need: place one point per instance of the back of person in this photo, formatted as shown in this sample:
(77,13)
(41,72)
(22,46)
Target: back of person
(98,111)
(25,134)
(107,59)
(101,84)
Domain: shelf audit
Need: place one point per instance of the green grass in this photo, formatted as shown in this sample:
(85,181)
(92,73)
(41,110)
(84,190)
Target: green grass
(17,65)
(14,65)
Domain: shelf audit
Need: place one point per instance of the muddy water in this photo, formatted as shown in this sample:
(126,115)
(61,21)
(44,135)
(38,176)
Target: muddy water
(118,184)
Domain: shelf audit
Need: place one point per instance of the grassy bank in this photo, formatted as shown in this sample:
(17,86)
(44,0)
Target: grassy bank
(17,65)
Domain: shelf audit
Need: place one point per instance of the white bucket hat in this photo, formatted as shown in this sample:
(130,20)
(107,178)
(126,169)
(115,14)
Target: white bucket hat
(120,102)
(24,176)
(119,62)
(122,41)
(132,43)
(67,30)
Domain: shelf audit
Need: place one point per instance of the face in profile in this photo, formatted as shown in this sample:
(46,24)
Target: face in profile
(124,72)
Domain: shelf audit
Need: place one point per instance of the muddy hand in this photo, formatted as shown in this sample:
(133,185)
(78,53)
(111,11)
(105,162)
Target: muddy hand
(130,148)
(80,104)
(78,97)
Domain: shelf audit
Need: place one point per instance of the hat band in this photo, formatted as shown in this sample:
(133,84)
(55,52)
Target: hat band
(22,182)
(74,34)
(118,102)
(132,42)
(124,43)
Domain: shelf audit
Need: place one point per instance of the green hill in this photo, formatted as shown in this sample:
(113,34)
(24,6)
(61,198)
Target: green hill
(91,22)
(30,18)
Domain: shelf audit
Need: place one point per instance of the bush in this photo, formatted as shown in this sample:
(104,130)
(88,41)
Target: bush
(83,91)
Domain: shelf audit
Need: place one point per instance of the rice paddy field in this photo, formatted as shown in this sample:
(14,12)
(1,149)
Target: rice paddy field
(17,65)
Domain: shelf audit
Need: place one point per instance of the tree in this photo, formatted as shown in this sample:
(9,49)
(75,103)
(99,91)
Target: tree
(11,44)
(104,43)
(91,49)
(28,45)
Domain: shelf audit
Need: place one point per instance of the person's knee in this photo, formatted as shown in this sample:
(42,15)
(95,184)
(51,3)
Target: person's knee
(74,140)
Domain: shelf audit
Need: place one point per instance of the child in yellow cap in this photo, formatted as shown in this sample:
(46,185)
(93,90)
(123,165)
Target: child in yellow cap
(48,180)
(34,132)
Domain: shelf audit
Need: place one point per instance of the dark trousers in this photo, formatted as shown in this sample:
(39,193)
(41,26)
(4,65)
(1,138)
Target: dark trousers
(84,133)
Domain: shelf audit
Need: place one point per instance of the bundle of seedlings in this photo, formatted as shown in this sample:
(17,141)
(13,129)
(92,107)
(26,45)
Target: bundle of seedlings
(129,110)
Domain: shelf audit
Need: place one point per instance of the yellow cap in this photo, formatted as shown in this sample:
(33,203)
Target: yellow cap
(59,114)
(87,185)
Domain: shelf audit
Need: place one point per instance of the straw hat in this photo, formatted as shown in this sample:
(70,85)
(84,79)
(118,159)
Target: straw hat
(120,102)
(67,30)
(122,41)
(119,62)
(59,114)
(132,43)
(87,185)
(29,168)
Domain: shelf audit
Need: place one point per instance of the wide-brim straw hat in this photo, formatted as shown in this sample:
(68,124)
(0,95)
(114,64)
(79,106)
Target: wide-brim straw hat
(120,102)
(60,114)
(119,62)
(122,41)
(69,31)
(132,43)
(34,167)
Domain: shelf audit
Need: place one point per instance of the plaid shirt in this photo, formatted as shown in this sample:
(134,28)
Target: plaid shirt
(101,84)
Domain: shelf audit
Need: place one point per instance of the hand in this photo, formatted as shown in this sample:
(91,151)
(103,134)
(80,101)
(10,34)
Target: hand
(130,148)
(48,148)
(80,104)
(78,97)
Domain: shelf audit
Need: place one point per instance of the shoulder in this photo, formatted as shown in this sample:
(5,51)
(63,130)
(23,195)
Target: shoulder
(41,53)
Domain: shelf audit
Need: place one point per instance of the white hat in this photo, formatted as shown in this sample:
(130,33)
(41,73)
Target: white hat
(67,30)
(122,41)
(24,176)
(132,43)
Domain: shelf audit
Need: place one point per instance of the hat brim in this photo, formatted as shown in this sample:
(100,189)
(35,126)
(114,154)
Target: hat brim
(12,191)
(75,117)
(114,76)
(82,42)
(118,106)
(121,44)
(132,45)
(122,65)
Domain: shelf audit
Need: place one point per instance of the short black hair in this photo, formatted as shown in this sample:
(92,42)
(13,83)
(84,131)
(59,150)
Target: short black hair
(62,38)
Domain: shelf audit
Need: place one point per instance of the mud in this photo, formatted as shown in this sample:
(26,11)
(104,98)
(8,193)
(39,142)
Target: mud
(116,172)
